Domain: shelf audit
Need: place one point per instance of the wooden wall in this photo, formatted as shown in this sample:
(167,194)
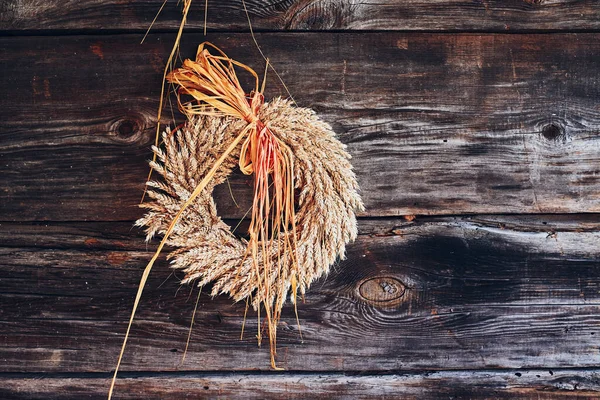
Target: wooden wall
(481,118)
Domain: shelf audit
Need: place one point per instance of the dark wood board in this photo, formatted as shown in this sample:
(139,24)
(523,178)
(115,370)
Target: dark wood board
(436,123)
(432,294)
(449,108)
(512,384)
(442,15)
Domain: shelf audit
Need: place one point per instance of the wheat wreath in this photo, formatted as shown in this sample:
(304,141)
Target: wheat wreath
(305,192)
(207,250)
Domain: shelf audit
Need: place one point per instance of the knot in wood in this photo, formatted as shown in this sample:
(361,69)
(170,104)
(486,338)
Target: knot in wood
(321,15)
(553,132)
(129,128)
(382,290)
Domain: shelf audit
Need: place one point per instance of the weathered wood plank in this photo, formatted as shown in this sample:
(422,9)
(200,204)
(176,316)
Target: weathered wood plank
(514,385)
(115,236)
(441,15)
(452,293)
(437,124)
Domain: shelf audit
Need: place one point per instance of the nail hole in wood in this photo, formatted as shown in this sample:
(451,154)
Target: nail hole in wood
(381,290)
(552,132)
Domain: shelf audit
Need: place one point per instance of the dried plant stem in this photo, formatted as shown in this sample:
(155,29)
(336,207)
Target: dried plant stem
(186,9)
(263,54)
(244,320)
(148,268)
(153,21)
(205,15)
(187,342)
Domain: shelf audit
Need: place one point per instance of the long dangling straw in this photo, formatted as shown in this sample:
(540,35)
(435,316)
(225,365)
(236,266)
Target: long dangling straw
(212,82)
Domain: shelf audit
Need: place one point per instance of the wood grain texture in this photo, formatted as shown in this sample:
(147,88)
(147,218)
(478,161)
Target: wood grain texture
(440,15)
(478,294)
(514,385)
(491,109)
(437,124)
